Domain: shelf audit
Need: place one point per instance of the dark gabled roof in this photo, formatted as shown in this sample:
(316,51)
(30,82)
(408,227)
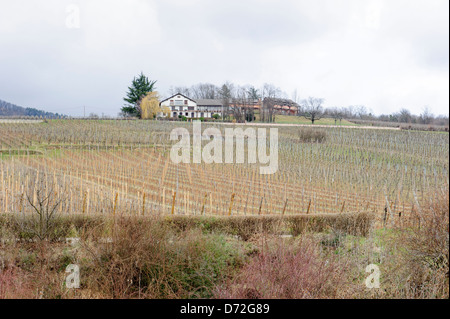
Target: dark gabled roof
(209,102)
(279,102)
(200,102)
(176,95)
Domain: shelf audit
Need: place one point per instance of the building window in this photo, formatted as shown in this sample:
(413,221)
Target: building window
(201,114)
(185,102)
(192,114)
(171,102)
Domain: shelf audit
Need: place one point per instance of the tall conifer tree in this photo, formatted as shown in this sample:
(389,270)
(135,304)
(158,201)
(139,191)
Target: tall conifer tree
(139,88)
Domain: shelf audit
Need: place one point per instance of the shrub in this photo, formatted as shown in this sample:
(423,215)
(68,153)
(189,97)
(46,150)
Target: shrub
(13,284)
(427,251)
(146,259)
(416,257)
(311,135)
(245,227)
(286,271)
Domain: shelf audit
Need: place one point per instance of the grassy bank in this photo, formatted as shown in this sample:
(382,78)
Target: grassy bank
(290,119)
(219,257)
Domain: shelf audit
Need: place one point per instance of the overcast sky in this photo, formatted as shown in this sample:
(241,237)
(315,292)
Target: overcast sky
(385,55)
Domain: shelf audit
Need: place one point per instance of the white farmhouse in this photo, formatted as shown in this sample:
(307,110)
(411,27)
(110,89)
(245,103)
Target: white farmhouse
(181,105)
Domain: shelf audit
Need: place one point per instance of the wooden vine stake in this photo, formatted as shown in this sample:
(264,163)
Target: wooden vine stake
(285,205)
(173,201)
(260,205)
(309,206)
(21,203)
(231,203)
(84,202)
(204,203)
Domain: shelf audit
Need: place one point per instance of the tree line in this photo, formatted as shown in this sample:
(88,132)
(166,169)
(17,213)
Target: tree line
(403,116)
(239,101)
(9,109)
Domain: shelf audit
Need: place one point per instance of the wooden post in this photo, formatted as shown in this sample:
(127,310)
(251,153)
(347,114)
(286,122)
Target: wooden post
(231,204)
(21,203)
(260,205)
(343,205)
(309,206)
(285,204)
(84,203)
(173,201)
(204,203)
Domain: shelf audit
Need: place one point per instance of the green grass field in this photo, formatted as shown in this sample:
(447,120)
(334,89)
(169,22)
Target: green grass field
(290,119)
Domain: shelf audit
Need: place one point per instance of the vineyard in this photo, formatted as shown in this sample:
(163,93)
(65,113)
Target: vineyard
(123,167)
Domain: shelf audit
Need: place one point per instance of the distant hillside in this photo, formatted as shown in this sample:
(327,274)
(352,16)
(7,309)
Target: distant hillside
(9,109)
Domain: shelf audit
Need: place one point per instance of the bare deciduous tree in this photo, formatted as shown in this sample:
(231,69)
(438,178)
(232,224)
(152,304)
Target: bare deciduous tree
(242,105)
(180,89)
(271,91)
(312,109)
(204,91)
(273,105)
(336,113)
(426,117)
(361,111)
(45,198)
(296,99)
(404,116)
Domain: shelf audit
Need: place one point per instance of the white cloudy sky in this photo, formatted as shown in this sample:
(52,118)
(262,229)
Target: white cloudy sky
(382,54)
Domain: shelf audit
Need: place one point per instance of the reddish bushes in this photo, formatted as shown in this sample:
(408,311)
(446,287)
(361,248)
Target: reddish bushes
(287,271)
(13,284)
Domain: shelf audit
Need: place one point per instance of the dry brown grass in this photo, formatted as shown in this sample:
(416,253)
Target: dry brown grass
(427,251)
(200,257)
(126,257)
(245,227)
(358,224)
